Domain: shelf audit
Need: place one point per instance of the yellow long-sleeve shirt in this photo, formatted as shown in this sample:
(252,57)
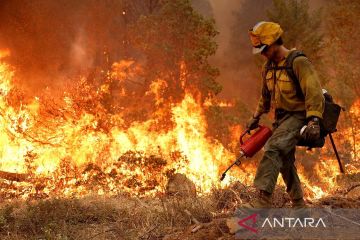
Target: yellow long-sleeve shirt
(285,97)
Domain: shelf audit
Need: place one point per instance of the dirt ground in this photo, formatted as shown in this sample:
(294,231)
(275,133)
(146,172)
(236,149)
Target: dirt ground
(162,217)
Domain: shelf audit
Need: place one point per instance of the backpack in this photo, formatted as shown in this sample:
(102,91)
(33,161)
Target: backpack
(331,110)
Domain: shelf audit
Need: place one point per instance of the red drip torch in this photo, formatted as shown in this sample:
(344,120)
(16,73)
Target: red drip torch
(251,146)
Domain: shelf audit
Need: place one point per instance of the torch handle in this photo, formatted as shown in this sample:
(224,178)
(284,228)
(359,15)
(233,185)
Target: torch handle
(247,131)
(243,135)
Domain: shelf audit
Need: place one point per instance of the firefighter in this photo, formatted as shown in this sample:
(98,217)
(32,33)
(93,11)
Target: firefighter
(291,113)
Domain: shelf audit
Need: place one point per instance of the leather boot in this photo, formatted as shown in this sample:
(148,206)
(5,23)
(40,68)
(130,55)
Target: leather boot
(298,203)
(301,210)
(263,201)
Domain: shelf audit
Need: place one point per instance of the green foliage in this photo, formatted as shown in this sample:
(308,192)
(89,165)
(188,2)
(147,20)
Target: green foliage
(176,42)
(342,49)
(301,28)
(343,67)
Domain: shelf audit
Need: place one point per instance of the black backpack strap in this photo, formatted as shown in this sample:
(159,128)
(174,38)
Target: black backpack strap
(267,67)
(290,71)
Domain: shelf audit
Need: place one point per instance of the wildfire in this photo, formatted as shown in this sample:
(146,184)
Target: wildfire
(354,132)
(4,53)
(65,149)
(67,153)
(222,104)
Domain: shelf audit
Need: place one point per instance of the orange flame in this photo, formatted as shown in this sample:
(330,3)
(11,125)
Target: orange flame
(37,144)
(4,53)
(67,151)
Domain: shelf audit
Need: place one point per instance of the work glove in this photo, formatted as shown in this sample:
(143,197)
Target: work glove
(253,123)
(312,131)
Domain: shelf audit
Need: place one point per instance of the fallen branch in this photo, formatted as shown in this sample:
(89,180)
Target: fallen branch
(18,177)
(351,188)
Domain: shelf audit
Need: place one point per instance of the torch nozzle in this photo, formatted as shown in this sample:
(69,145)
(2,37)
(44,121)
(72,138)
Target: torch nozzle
(223,176)
(237,162)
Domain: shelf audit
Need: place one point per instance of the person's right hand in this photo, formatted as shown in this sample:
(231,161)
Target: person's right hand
(253,123)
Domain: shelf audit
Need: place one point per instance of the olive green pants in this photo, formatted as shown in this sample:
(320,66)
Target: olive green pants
(279,157)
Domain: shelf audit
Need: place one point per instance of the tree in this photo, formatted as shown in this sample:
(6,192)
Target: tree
(301,28)
(342,62)
(342,49)
(176,42)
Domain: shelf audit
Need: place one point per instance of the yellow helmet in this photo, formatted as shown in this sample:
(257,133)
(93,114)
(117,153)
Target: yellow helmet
(264,34)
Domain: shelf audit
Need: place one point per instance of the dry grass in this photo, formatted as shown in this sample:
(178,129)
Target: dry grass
(125,217)
(101,218)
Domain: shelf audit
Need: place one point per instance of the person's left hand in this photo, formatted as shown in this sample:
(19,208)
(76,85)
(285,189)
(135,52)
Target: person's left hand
(312,131)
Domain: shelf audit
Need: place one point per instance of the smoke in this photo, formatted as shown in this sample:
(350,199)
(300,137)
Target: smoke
(50,40)
(240,75)
(79,57)
(239,69)
(224,14)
